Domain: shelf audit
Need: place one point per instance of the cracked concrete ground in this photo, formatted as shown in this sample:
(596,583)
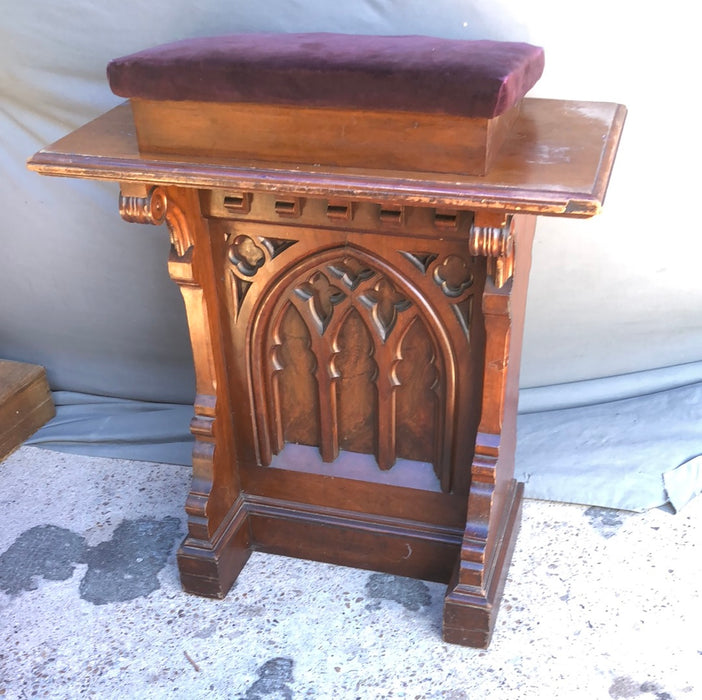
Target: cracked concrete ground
(598,604)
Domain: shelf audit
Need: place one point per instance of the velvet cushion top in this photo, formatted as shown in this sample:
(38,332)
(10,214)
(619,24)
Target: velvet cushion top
(408,73)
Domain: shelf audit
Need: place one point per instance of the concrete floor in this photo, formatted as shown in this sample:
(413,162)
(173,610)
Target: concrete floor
(598,604)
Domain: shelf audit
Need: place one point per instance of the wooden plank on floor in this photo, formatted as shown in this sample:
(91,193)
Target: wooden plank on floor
(25,403)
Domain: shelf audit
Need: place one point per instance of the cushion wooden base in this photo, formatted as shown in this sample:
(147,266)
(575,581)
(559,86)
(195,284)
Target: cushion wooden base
(323,136)
(25,403)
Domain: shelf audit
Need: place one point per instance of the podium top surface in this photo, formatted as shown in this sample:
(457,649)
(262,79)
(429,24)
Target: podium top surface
(556,161)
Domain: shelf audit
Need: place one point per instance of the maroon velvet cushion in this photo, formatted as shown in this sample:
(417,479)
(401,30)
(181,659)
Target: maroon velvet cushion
(409,73)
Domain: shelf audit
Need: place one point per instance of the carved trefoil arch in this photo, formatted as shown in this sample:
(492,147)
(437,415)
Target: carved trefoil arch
(347,354)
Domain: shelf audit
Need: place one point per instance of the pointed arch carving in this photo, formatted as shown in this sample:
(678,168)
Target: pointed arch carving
(332,341)
(356,371)
(418,399)
(295,385)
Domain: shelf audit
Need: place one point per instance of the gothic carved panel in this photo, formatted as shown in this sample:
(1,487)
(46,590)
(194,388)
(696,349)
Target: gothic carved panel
(356,363)
(350,271)
(463,310)
(365,288)
(420,260)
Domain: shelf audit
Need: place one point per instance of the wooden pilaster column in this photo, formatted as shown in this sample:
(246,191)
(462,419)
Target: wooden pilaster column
(494,502)
(217,520)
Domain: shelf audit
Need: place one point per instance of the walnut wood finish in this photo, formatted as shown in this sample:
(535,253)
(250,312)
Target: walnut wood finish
(342,137)
(356,336)
(556,161)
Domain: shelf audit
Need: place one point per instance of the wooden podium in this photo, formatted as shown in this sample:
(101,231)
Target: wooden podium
(357,337)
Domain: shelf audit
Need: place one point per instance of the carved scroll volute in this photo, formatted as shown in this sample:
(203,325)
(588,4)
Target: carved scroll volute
(491,236)
(143,204)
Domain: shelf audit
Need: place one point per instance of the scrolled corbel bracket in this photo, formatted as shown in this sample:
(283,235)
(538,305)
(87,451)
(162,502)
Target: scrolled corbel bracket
(145,204)
(141,204)
(492,236)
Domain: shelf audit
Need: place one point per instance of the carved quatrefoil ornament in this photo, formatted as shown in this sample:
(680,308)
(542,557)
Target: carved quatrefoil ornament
(453,275)
(246,256)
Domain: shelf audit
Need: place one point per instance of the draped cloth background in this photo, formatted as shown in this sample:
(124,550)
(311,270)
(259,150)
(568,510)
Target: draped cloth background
(612,365)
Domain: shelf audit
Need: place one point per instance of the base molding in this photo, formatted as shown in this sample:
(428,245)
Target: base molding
(360,540)
(210,569)
(470,611)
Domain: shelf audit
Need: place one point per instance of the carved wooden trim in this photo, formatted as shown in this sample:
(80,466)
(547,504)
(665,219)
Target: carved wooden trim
(447,219)
(327,290)
(491,236)
(392,215)
(238,202)
(181,232)
(341,210)
(151,206)
(494,498)
(291,207)
(213,491)
(143,207)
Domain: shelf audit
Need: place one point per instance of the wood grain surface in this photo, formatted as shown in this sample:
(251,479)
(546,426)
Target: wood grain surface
(556,161)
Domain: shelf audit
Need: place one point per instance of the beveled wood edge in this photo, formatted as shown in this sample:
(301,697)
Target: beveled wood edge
(17,376)
(609,154)
(377,189)
(421,189)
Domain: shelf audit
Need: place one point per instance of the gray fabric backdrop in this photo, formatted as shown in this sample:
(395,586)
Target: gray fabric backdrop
(88,295)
